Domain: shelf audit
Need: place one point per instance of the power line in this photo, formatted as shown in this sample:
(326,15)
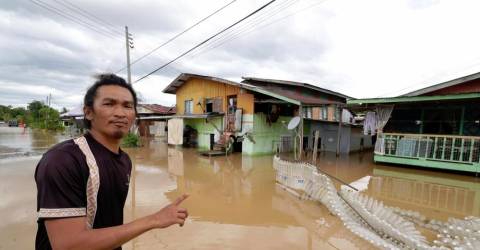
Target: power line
(73,19)
(206,40)
(176,36)
(261,27)
(242,29)
(227,34)
(76,10)
(112,27)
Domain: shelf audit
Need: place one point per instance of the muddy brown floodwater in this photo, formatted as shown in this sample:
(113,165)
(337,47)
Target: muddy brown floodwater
(235,203)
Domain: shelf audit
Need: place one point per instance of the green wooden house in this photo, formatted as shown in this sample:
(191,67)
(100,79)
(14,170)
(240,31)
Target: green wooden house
(434,127)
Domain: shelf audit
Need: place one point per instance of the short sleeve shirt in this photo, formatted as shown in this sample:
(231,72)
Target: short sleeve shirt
(61,177)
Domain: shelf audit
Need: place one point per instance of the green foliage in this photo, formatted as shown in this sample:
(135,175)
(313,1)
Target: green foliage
(131,140)
(37,115)
(34,109)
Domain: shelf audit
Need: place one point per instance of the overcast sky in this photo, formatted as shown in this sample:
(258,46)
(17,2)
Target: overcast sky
(361,48)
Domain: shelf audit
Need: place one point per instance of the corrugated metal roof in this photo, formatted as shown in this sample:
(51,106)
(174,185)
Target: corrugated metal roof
(410,99)
(296,91)
(159,109)
(303,99)
(184,77)
(297,84)
(443,85)
(283,94)
(75,112)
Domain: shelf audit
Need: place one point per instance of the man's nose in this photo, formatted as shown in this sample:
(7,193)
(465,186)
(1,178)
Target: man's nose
(119,111)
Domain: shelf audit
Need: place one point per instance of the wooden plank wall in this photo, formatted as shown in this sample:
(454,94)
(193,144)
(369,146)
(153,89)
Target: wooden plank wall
(199,90)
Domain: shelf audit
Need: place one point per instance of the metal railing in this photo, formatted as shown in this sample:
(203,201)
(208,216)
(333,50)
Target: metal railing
(450,148)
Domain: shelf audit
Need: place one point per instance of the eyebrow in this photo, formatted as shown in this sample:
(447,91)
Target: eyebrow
(109,99)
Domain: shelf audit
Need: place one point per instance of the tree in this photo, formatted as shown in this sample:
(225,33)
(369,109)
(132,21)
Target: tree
(34,109)
(41,116)
(49,118)
(8,113)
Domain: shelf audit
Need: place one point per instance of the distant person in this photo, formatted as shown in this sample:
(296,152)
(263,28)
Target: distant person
(83,183)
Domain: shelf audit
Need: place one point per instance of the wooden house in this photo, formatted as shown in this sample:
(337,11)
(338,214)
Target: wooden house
(253,113)
(434,127)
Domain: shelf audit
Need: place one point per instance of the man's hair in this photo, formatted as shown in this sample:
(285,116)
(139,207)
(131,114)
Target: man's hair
(105,80)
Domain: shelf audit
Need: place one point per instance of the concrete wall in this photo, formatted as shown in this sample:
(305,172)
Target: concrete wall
(204,130)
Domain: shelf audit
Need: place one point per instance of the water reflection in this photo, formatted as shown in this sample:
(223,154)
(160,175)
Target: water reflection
(437,195)
(14,140)
(235,202)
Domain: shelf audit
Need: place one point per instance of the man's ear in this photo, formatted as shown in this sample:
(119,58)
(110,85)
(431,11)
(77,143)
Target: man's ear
(88,113)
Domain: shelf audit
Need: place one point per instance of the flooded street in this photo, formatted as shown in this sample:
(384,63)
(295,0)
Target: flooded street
(234,201)
(16,141)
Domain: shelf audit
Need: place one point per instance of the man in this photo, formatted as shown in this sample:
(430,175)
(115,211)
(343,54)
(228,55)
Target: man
(83,183)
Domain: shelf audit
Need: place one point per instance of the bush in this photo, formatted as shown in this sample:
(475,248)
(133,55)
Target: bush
(131,140)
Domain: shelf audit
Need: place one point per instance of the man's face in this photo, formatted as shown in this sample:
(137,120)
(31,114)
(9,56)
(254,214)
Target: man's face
(113,111)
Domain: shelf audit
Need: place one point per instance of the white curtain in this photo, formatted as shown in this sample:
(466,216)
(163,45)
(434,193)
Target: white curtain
(383,114)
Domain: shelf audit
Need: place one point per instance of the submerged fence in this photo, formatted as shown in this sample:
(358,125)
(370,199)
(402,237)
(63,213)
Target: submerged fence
(383,226)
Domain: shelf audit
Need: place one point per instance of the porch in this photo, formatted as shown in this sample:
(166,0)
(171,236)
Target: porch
(453,152)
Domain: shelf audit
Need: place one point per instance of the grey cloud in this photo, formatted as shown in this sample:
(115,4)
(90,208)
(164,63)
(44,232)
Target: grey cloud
(45,49)
(157,16)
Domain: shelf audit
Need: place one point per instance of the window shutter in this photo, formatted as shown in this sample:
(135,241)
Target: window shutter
(217,105)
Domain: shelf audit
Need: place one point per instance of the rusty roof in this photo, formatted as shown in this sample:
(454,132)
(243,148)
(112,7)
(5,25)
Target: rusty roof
(252,80)
(159,109)
(291,94)
(305,93)
(443,85)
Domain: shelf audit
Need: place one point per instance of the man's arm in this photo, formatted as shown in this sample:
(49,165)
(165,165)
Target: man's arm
(71,233)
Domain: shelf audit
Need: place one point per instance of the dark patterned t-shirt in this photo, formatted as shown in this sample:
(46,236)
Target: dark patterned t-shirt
(61,176)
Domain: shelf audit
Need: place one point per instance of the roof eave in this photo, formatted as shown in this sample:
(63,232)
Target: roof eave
(300,84)
(444,85)
(410,99)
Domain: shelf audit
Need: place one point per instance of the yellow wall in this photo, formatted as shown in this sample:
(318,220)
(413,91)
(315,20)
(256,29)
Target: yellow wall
(246,102)
(201,89)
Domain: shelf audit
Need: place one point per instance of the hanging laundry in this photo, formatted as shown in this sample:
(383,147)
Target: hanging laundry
(370,123)
(175,131)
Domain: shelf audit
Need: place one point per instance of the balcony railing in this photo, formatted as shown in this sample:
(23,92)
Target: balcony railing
(450,148)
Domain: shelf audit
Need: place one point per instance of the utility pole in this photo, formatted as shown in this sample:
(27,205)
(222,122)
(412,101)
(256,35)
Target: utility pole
(49,99)
(128,45)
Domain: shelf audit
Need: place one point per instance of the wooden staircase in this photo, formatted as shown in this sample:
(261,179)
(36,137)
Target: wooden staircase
(223,143)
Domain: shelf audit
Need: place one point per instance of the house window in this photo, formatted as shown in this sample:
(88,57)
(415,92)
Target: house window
(188,106)
(307,112)
(324,112)
(335,112)
(209,105)
(232,104)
